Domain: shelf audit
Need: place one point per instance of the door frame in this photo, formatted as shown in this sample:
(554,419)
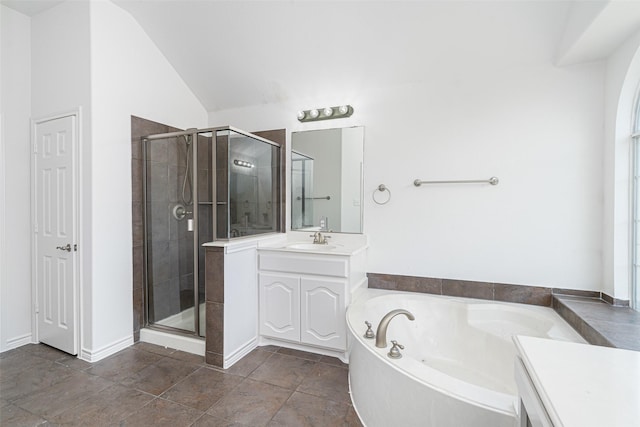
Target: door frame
(77,172)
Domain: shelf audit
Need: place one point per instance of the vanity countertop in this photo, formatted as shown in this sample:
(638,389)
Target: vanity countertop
(582,384)
(301,242)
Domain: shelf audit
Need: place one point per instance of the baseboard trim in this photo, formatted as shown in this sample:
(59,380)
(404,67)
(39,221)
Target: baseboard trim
(106,351)
(240,353)
(18,341)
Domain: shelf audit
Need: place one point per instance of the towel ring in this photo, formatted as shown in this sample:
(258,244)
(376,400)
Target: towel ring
(381,188)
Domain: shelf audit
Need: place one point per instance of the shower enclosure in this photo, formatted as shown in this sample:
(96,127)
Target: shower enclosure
(199,186)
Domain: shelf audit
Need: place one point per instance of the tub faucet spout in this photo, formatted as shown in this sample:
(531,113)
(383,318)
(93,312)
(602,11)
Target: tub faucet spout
(381,333)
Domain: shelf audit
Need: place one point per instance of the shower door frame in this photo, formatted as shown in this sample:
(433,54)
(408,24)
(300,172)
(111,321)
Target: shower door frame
(195,199)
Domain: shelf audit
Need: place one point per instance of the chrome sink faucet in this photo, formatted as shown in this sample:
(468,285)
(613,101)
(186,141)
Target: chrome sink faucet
(381,333)
(319,238)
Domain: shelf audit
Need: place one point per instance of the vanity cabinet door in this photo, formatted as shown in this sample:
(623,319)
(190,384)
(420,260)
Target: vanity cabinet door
(322,312)
(280,306)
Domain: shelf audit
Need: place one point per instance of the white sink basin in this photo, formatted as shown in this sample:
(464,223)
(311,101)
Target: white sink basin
(310,247)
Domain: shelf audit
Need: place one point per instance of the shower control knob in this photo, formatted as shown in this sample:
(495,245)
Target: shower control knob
(394,353)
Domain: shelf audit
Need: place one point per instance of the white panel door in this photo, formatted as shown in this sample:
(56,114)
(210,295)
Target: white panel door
(322,313)
(280,306)
(55,232)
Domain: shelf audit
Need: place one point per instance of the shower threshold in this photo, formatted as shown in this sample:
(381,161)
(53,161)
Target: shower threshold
(184,320)
(176,341)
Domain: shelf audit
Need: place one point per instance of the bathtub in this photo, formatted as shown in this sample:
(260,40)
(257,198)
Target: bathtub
(457,367)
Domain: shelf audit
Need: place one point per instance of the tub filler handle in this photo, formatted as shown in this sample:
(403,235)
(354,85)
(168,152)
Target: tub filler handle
(394,353)
(369,332)
(381,333)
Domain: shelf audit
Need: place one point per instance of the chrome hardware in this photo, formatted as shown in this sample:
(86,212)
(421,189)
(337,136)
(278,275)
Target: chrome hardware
(65,248)
(394,353)
(493,181)
(381,333)
(319,238)
(369,333)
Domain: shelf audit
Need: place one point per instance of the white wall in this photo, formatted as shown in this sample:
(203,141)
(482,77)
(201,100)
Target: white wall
(514,115)
(129,76)
(621,86)
(60,83)
(95,57)
(15,111)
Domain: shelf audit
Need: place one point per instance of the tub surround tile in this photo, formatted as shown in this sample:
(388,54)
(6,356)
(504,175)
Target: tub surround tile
(533,295)
(576,292)
(600,323)
(523,294)
(599,318)
(615,301)
(405,283)
(467,289)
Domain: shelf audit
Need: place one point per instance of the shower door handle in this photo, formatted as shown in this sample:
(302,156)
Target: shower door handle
(65,248)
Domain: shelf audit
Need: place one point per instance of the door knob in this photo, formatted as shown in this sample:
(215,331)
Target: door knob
(65,248)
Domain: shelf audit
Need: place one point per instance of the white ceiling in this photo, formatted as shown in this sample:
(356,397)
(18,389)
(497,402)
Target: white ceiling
(238,53)
(30,7)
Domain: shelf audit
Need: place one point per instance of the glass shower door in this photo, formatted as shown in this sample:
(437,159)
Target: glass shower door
(169,200)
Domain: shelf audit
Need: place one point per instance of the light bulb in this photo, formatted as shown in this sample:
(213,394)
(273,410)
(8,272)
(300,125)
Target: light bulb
(301,115)
(314,113)
(344,109)
(328,111)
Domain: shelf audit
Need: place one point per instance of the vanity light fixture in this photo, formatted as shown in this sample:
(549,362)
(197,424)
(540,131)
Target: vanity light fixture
(243,163)
(326,113)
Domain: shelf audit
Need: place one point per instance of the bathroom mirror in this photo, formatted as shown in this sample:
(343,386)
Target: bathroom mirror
(326,180)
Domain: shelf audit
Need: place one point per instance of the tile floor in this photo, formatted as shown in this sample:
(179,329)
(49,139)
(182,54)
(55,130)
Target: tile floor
(148,385)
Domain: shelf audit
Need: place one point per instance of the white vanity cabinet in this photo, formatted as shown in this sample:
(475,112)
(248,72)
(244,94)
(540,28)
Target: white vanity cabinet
(304,297)
(304,309)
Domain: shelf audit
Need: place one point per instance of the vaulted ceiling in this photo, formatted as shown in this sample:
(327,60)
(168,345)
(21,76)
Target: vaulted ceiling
(235,54)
